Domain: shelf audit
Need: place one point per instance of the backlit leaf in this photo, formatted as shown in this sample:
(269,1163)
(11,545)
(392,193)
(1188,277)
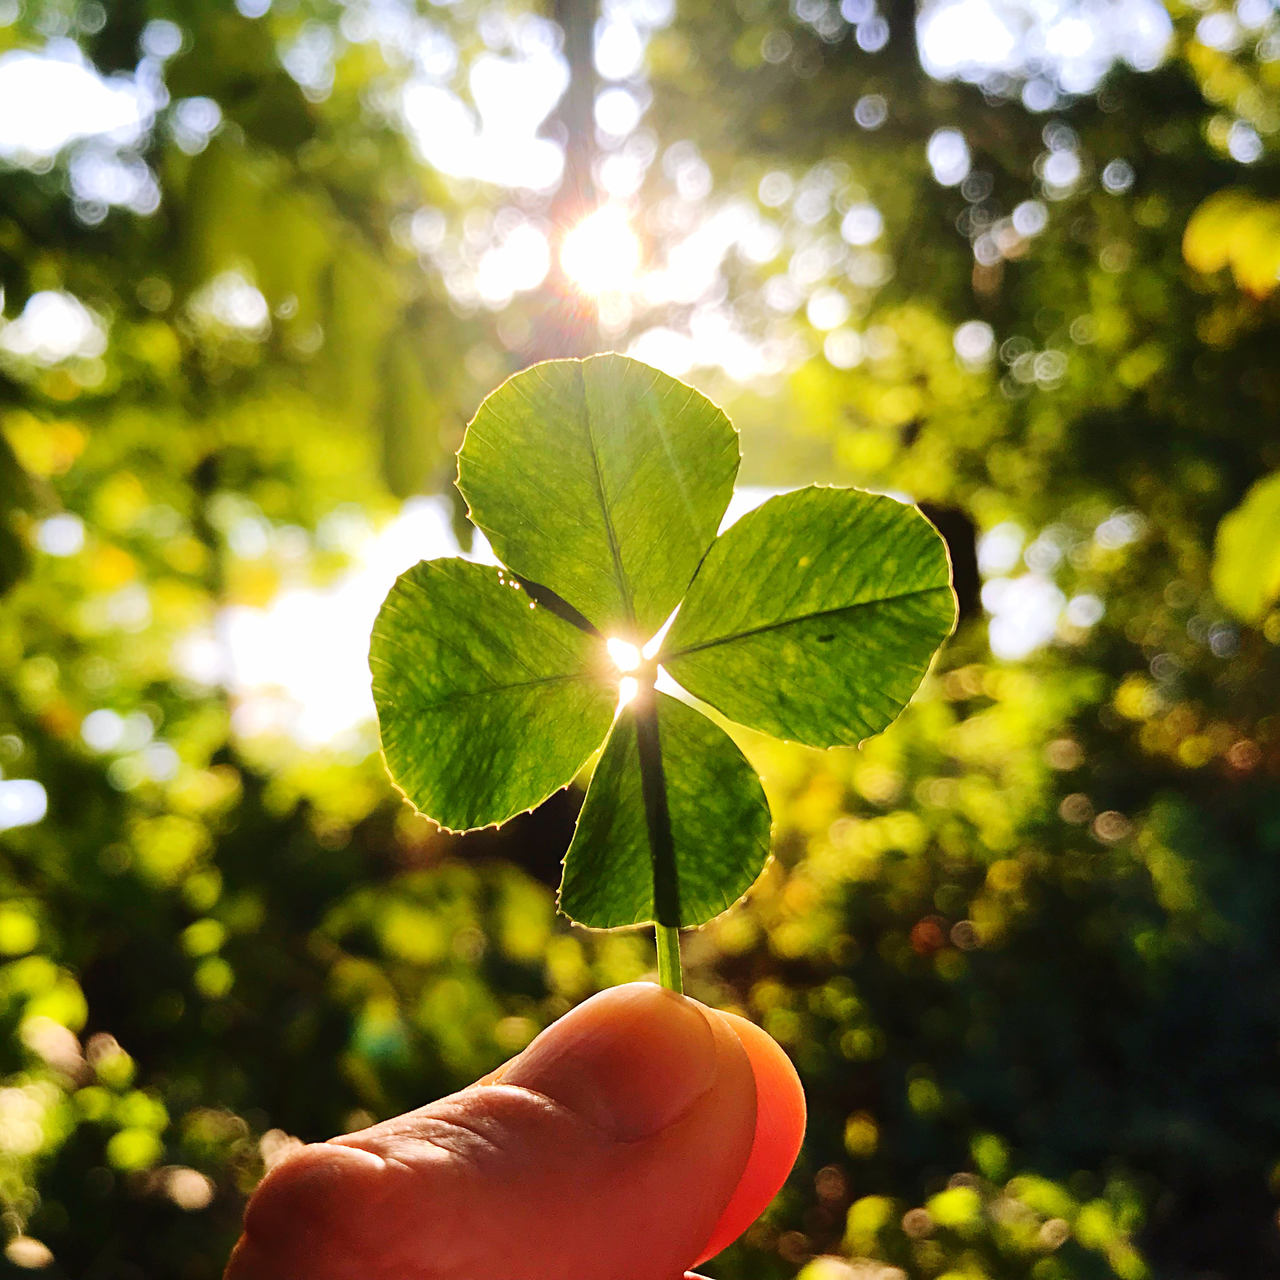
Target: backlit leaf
(602,479)
(815,616)
(486,703)
(719,824)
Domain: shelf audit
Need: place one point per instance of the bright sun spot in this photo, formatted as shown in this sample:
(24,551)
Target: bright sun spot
(602,253)
(626,657)
(628,687)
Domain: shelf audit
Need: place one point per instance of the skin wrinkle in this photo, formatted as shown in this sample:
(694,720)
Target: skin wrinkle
(450,1134)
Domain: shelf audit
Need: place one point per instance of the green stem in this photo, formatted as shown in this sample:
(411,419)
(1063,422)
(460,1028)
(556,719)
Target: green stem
(669,972)
(662,850)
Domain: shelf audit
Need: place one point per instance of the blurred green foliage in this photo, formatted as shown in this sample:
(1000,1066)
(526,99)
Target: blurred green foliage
(1022,948)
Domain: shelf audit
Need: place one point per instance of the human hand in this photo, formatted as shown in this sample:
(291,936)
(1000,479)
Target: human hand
(634,1138)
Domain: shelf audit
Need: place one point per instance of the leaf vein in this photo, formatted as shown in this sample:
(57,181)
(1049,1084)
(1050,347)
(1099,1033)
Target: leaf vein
(615,551)
(463,695)
(803,617)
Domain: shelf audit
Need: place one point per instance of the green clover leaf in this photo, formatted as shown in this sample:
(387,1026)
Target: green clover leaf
(603,480)
(600,484)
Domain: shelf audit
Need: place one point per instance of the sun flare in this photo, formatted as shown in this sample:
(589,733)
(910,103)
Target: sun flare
(626,657)
(601,254)
(628,688)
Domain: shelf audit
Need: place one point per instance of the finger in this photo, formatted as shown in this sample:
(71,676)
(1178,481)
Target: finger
(678,1164)
(780,1121)
(610,1147)
(300,1221)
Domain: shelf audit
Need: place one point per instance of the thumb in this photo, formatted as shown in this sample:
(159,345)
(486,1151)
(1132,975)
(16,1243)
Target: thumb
(622,1143)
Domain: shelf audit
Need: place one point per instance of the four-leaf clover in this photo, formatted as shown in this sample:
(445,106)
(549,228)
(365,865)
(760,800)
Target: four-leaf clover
(600,485)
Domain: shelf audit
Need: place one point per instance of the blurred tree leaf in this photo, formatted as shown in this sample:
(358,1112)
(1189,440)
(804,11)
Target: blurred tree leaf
(233,59)
(1237,229)
(1246,554)
(19,497)
(411,444)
